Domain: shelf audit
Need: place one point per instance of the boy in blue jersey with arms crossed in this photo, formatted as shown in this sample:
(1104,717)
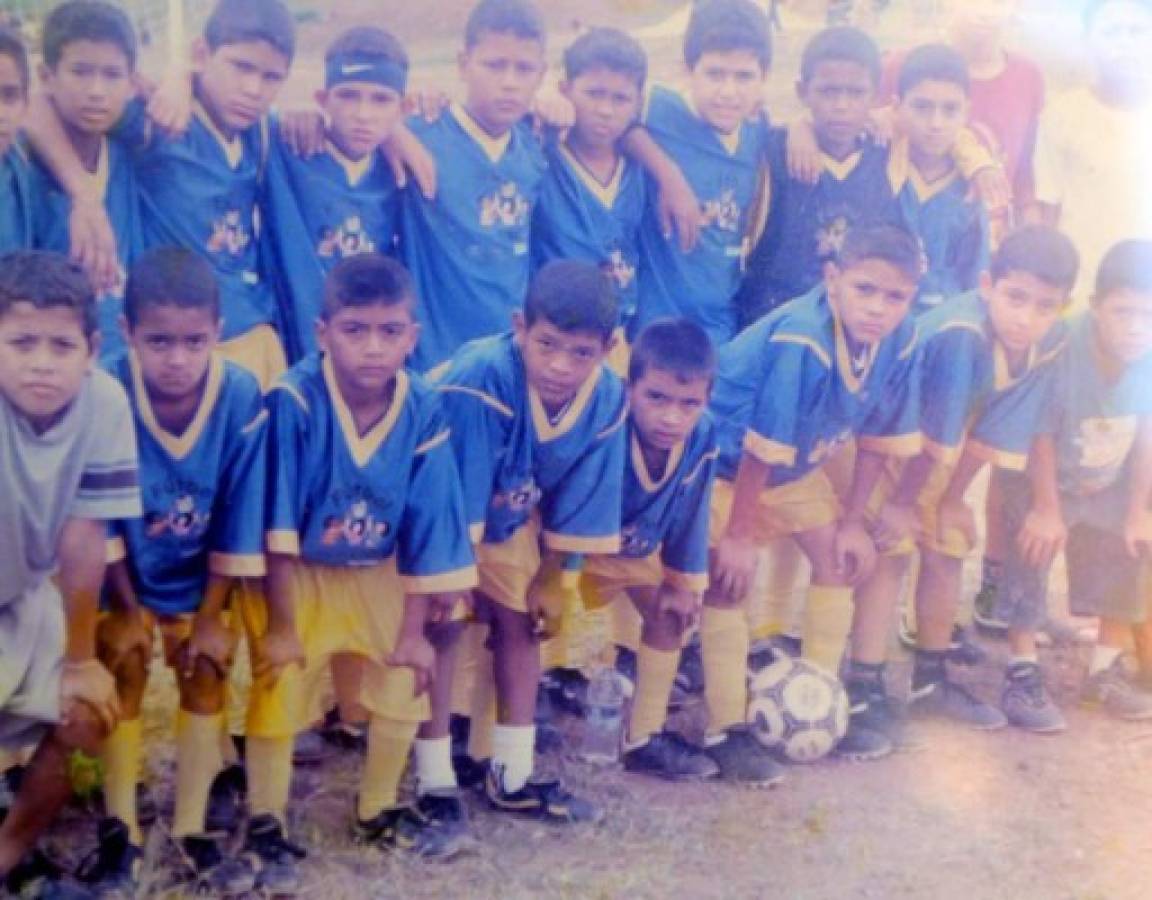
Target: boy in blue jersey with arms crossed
(827,368)
(367,543)
(981,362)
(201,434)
(17,216)
(538,432)
(89,52)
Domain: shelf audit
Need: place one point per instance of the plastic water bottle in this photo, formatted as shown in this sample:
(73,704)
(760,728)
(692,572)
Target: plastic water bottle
(603,718)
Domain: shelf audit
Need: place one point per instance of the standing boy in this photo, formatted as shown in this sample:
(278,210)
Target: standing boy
(17,215)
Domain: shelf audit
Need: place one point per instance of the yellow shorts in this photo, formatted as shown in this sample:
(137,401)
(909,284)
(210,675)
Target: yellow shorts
(927,511)
(506,569)
(802,505)
(260,352)
(605,578)
(338,610)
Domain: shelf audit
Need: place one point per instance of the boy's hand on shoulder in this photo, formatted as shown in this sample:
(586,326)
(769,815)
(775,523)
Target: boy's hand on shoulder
(414,652)
(991,187)
(92,241)
(679,211)
(408,157)
(277,650)
(679,605)
(551,109)
(1138,533)
(855,552)
(170,102)
(303,131)
(122,634)
(956,515)
(428,103)
(89,682)
(881,126)
(1042,536)
(733,567)
(803,152)
(210,640)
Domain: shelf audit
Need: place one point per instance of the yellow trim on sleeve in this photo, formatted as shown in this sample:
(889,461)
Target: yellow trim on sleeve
(769,452)
(1002,459)
(283,541)
(237,565)
(432,443)
(256,422)
(458,580)
(574,543)
(115,550)
(804,341)
(291,391)
(703,461)
(487,399)
(905,445)
(696,582)
(970,155)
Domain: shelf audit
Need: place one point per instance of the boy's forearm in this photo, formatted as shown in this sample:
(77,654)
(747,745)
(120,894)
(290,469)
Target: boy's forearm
(50,142)
(415,616)
(865,473)
(639,144)
(122,596)
(215,594)
(751,477)
(967,468)
(280,593)
(1042,475)
(81,555)
(913,478)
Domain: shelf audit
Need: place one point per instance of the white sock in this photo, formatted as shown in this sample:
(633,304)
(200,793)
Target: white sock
(1025,658)
(434,770)
(1102,658)
(513,749)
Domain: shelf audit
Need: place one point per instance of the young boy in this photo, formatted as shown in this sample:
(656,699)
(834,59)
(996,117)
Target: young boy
(935,199)
(980,366)
(200,426)
(89,50)
(68,464)
(537,427)
(468,248)
(827,368)
(344,200)
(1088,493)
(706,133)
(17,216)
(367,540)
(662,565)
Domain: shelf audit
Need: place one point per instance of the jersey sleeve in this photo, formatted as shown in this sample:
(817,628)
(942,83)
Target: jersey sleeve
(946,371)
(434,552)
(287,430)
(236,540)
(972,251)
(685,548)
(134,128)
(109,486)
(893,425)
(795,364)
(1003,433)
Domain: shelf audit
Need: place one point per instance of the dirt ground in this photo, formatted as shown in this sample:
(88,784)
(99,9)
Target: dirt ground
(954,814)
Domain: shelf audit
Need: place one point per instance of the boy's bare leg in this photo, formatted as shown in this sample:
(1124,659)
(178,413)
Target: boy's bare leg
(433,746)
(516,668)
(347,678)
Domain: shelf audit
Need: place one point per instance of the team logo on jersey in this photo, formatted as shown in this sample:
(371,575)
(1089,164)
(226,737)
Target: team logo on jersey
(504,208)
(633,542)
(825,448)
(723,212)
(519,499)
(1104,445)
(619,269)
(357,527)
(229,234)
(347,239)
(830,237)
(182,519)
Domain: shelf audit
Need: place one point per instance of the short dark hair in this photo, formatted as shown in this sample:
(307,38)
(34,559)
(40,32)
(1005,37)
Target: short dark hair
(12,46)
(678,346)
(366,279)
(933,62)
(517,17)
(1126,266)
(87,20)
(170,276)
(47,280)
(893,244)
(717,26)
(242,21)
(370,43)
(573,295)
(841,43)
(606,48)
(1093,7)
(1040,251)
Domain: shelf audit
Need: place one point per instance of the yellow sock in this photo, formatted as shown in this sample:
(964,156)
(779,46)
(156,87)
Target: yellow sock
(389,743)
(269,775)
(724,647)
(827,622)
(483,705)
(198,760)
(554,652)
(626,623)
(121,758)
(655,673)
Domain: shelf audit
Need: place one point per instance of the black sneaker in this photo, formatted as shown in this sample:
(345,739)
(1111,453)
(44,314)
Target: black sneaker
(469,772)
(547,800)
(210,871)
(874,709)
(627,666)
(36,877)
(690,671)
(351,737)
(668,755)
(405,830)
(861,743)
(945,699)
(1026,703)
(566,689)
(984,612)
(273,855)
(741,758)
(226,799)
(964,649)
(446,810)
(111,871)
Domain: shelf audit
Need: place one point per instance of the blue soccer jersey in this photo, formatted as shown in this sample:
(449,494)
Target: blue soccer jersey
(202,490)
(967,388)
(117,181)
(807,222)
(515,459)
(18,210)
(1093,418)
(200,191)
(578,217)
(321,210)
(725,174)
(339,498)
(468,249)
(669,513)
(791,389)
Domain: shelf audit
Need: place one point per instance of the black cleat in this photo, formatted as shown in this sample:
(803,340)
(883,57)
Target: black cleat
(210,871)
(742,758)
(964,649)
(226,799)
(112,870)
(668,755)
(403,829)
(445,809)
(274,857)
(547,800)
(469,772)
(36,877)
(861,743)
(351,737)
(566,690)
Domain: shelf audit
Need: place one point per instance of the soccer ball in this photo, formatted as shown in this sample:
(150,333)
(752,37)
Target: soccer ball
(797,707)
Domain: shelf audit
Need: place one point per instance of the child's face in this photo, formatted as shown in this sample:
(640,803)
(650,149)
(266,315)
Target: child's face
(1124,324)
(726,87)
(44,358)
(871,297)
(238,82)
(839,96)
(931,115)
(501,73)
(1120,42)
(13,101)
(90,85)
(605,103)
(1022,308)
(361,115)
(558,362)
(980,24)
(174,346)
(368,344)
(665,407)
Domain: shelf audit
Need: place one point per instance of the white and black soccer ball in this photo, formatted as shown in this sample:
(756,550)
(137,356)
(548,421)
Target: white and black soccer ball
(797,707)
